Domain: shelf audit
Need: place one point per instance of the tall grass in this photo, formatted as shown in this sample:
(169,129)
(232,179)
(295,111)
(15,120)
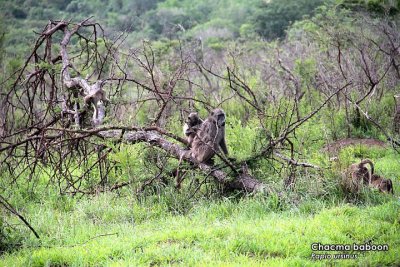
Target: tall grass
(117,231)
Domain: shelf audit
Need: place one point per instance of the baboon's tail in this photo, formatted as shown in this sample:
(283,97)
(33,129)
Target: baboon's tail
(368,161)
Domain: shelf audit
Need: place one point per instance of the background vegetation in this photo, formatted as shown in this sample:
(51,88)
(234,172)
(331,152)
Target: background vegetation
(268,64)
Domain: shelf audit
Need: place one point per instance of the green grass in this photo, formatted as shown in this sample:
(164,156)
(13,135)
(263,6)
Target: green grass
(172,228)
(165,227)
(108,230)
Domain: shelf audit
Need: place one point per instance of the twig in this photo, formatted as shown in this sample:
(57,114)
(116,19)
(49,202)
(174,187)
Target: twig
(11,209)
(295,162)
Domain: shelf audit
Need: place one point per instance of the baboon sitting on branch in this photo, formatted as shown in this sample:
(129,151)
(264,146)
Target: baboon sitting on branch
(210,137)
(191,127)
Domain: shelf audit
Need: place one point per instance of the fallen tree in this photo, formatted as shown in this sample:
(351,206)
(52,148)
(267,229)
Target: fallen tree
(242,181)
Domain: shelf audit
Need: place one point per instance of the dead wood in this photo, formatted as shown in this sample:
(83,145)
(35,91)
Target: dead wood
(11,209)
(242,181)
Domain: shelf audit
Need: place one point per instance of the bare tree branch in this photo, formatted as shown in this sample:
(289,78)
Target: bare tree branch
(11,209)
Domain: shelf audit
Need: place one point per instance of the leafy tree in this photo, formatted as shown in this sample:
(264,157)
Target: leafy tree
(142,6)
(273,18)
(19,13)
(378,7)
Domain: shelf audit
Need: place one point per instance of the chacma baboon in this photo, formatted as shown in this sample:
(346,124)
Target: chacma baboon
(384,185)
(97,98)
(357,174)
(191,127)
(210,137)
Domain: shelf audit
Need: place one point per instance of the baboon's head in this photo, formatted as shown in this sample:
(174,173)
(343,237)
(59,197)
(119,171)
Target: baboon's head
(386,186)
(193,119)
(219,116)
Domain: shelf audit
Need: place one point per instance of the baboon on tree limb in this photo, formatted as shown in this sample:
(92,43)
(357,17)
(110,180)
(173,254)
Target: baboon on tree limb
(357,174)
(210,137)
(97,98)
(204,138)
(191,127)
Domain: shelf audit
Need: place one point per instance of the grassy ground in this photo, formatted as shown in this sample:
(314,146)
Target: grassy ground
(108,230)
(113,229)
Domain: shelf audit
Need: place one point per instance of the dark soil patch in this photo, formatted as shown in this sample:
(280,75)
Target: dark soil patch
(336,146)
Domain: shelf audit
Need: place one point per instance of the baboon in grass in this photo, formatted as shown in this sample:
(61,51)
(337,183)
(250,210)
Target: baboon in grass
(382,184)
(358,174)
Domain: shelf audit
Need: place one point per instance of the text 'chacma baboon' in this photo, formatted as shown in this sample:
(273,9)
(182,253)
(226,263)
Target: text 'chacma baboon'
(210,137)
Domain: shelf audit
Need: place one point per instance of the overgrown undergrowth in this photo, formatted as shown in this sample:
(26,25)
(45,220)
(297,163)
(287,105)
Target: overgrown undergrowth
(178,228)
(117,231)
